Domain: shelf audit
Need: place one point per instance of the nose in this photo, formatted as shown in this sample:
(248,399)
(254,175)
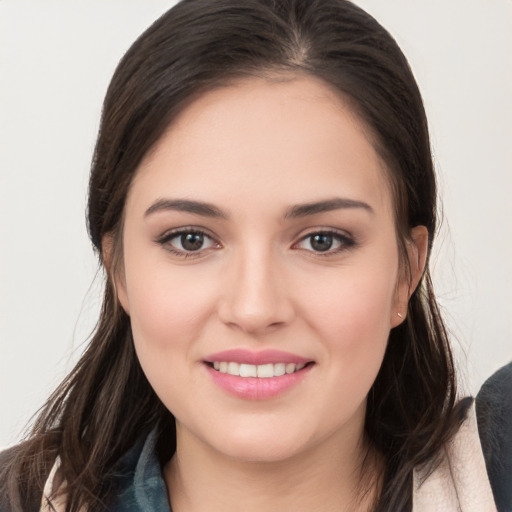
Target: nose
(255,298)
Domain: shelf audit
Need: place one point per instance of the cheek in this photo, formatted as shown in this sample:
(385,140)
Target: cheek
(352,303)
(168,306)
(168,316)
(351,314)
(157,312)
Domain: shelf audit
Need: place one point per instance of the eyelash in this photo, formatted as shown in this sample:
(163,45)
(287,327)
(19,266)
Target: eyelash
(346,242)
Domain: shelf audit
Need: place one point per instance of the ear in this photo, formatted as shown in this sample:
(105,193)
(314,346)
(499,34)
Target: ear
(114,271)
(417,248)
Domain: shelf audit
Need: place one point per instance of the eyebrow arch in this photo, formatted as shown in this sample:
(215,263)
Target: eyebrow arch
(185,205)
(337,203)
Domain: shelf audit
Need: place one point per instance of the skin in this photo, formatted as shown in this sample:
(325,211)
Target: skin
(254,150)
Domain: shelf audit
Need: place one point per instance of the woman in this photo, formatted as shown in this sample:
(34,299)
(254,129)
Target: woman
(263,200)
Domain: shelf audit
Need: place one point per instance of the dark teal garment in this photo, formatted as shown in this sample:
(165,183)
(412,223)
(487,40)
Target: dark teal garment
(142,485)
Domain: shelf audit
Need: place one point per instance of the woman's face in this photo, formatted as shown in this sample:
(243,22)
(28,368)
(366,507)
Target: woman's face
(261,270)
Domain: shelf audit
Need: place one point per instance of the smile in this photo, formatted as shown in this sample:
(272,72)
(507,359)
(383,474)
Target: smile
(263,371)
(259,375)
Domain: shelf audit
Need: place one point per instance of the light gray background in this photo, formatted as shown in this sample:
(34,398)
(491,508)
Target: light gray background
(57,57)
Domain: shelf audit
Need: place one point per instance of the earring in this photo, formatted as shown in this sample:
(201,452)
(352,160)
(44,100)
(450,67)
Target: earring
(400,315)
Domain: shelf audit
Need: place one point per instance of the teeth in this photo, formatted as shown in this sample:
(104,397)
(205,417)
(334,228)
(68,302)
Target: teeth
(279,369)
(233,369)
(248,370)
(263,371)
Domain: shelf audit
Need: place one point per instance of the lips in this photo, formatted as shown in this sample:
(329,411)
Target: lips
(257,375)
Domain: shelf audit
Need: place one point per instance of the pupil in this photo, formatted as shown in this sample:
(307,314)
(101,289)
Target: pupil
(321,242)
(192,241)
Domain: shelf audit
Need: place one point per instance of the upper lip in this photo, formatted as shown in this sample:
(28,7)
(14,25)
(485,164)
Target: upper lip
(244,356)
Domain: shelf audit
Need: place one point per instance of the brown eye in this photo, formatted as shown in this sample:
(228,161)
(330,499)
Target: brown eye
(192,241)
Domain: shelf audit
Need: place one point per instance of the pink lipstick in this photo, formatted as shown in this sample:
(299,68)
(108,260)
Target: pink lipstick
(256,375)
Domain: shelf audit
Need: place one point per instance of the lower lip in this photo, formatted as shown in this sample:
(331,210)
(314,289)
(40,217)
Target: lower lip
(254,388)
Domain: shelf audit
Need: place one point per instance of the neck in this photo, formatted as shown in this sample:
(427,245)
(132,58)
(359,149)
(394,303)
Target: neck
(325,479)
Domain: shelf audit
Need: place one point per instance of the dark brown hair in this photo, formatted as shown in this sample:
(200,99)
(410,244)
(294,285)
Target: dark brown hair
(106,403)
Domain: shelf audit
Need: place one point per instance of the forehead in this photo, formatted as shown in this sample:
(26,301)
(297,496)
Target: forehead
(289,139)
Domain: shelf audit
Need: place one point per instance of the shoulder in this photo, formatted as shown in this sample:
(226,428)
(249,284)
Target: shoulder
(494,415)
(457,479)
(135,477)
(22,475)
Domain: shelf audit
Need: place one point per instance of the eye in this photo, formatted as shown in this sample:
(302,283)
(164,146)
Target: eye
(190,241)
(186,242)
(325,242)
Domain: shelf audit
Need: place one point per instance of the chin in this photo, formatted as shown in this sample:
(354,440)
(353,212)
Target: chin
(264,444)
(264,451)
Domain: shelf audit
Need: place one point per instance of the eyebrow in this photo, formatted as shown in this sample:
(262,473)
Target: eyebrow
(296,211)
(185,205)
(337,203)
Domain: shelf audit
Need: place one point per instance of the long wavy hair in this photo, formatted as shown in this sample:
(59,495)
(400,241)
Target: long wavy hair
(106,403)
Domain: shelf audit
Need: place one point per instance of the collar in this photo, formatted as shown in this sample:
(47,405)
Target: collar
(460,482)
(142,486)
